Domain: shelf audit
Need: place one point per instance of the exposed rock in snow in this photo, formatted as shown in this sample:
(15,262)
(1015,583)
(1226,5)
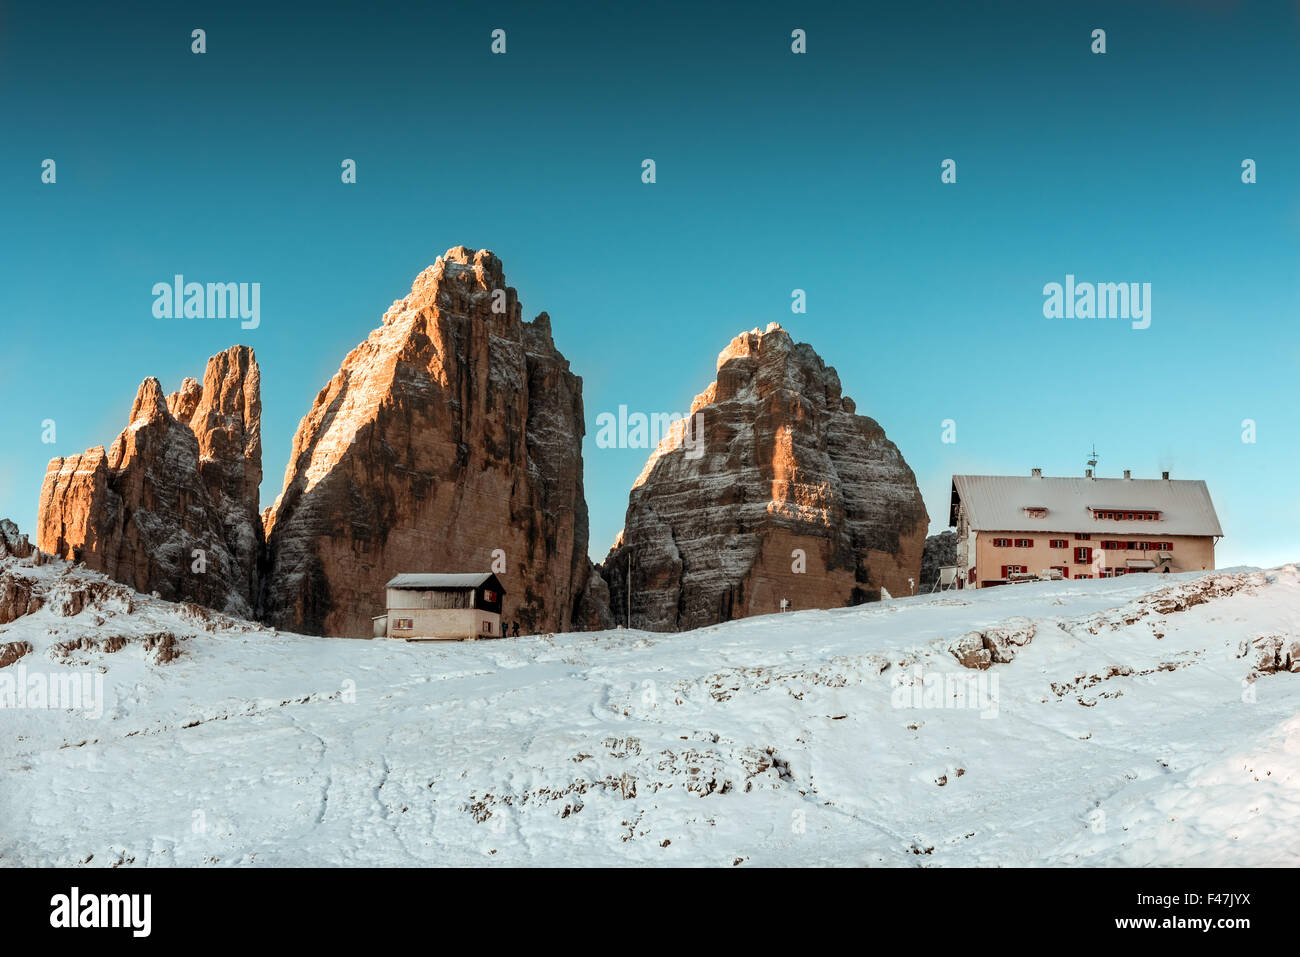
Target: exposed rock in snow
(172,506)
(17,598)
(1001,643)
(783,493)
(448,439)
(11,651)
(1276,652)
(12,542)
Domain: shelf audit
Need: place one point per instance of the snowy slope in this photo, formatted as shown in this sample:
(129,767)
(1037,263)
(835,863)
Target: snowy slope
(1119,725)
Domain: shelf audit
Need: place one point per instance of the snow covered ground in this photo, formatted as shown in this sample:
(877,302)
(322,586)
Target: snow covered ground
(1140,720)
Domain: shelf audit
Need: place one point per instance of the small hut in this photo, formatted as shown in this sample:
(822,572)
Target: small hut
(442,607)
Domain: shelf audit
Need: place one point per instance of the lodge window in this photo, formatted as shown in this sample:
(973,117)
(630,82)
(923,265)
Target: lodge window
(1163,546)
(490,596)
(1024,543)
(1013,570)
(487,627)
(1059,543)
(1063,569)
(1083,556)
(1083,536)
(1082,576)
(403,624)
(1001,543)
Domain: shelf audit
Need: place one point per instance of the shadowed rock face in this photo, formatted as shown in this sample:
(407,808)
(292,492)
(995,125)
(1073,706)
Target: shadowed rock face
(182,477)
(13,542)
(940,551)
(451,438)
(780,474)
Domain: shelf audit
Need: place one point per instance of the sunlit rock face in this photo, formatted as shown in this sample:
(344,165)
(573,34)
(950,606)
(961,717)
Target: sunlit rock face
(779,490)
(171,507)
(450,440)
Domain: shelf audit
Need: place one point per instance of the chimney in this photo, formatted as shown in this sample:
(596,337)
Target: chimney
(1087,473)
(1128,474)
(1165,476)
(1036,473)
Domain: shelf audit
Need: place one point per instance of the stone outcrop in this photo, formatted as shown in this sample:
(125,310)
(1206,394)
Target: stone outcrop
(940,552)
(778,490)
(13,542)
(171,507)
(1276,652)
(18,596)
(450,440)
(592,613)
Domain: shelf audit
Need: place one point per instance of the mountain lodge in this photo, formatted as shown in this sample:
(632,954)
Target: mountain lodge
(1013,528)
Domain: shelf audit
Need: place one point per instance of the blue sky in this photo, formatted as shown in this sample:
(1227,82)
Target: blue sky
(775,172)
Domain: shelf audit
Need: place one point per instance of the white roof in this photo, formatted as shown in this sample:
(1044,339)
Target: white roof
(997,503)
(416,580)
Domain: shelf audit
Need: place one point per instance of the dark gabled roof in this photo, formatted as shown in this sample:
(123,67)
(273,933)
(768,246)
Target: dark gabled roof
(418,581)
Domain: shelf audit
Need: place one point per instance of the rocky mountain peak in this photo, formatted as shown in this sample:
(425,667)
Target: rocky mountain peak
(783,492)
(450,440)
(172,506)
(150,403)
(185,400)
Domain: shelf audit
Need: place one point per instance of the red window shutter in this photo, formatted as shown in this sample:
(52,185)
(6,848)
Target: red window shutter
(1004,571)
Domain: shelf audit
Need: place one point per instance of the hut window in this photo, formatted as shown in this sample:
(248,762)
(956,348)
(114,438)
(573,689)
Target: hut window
(490,596)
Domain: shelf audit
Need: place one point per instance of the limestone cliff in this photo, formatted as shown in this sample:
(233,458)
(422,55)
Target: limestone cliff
(778,491)
(449,440)
(171,507)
